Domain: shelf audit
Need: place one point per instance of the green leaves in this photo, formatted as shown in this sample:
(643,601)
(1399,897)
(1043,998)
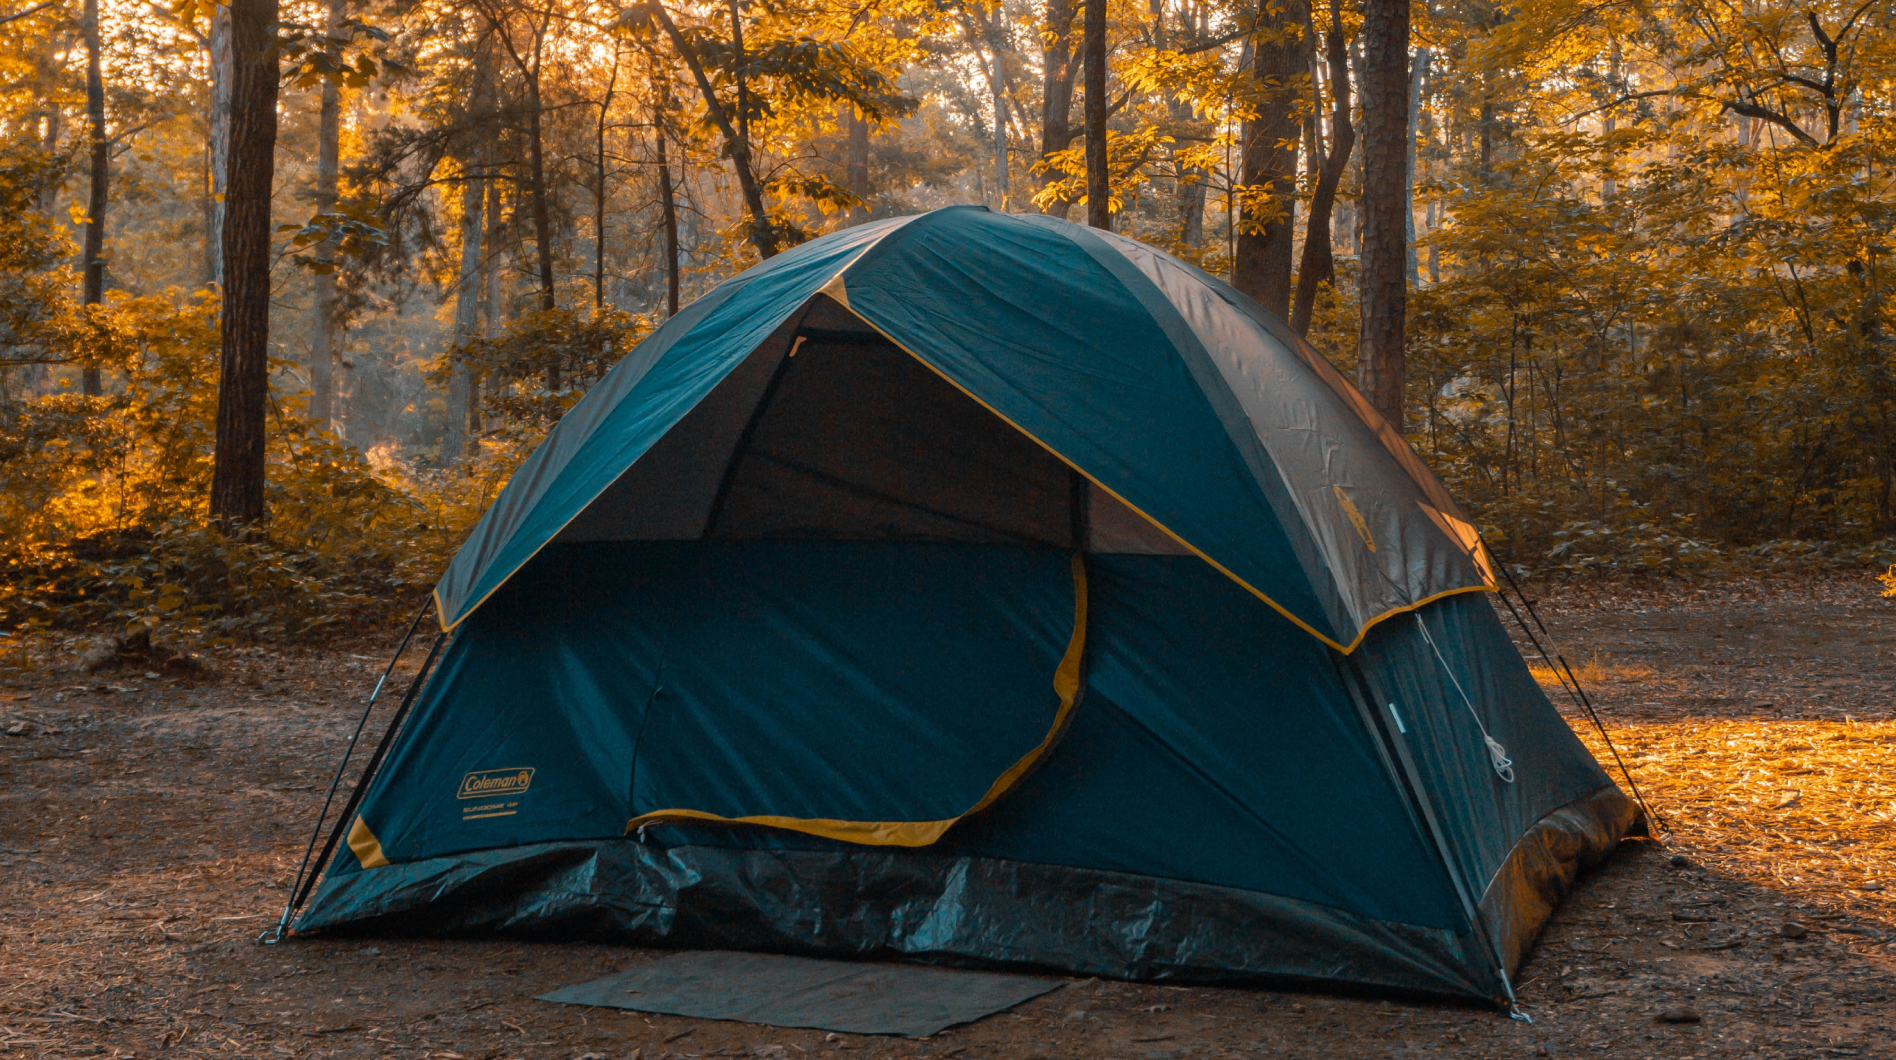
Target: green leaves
(352,56)
(351,231)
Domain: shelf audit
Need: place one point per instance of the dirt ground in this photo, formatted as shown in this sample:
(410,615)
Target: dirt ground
(151,824)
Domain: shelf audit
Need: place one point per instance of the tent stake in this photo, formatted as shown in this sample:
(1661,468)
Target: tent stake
(272,936)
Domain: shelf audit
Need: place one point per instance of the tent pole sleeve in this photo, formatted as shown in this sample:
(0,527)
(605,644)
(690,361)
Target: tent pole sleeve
(368,774)
(272,935)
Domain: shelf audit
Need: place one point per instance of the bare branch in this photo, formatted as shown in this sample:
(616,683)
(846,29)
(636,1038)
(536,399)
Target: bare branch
(1752,110)
(34,10)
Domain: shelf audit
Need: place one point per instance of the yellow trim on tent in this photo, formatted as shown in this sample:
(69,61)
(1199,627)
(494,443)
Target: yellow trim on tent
(1066,684)
(837,289)
(832,287)
(367,848)
(1195,550)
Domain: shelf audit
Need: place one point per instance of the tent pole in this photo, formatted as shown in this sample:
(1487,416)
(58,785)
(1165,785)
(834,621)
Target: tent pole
(1578,693)
(369,770)
(273,935)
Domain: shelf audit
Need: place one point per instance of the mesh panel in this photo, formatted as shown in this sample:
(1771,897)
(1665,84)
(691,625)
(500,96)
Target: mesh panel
(855,439)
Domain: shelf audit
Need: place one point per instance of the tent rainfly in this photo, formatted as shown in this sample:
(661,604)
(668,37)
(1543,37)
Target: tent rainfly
(984,588)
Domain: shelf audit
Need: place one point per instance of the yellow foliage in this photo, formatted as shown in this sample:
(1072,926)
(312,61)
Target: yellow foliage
(102,503)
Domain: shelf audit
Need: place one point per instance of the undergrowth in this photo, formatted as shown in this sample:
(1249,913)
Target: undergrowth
(103,520)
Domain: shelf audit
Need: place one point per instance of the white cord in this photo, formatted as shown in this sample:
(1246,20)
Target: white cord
(1497,754)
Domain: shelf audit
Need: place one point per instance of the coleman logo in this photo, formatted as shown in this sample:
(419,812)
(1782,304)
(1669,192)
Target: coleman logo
(495,783)
(1355,517)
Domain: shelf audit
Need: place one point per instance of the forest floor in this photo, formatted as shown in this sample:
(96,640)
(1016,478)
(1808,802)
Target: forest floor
(149,827)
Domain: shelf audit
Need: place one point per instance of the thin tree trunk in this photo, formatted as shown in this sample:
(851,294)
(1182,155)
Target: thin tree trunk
(322,345)
(49,143)
(667,199)
(218,126)
(47,75)
(1319,261)
(1384,285)
(467,315)
(1267,230)
(461,423)
(1191,206)
(243,387)
(856,162)
(1056,100)
(1616,83)
(999,87)
(1188,192)
(536,187)
(490,259)
(90,381)
(763,233)
(1098,180)
(1486,172)
(1418,81)
(488,307)
(599,198)
(740,68)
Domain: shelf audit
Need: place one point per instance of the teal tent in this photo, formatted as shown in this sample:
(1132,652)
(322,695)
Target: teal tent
(981,587)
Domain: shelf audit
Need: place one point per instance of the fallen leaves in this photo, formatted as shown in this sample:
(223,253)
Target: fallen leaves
(1734,814)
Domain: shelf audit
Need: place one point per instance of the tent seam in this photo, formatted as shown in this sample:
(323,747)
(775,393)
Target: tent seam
(1168,531)
(602,490)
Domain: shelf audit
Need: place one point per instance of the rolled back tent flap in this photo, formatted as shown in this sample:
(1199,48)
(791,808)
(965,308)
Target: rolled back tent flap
(982,587)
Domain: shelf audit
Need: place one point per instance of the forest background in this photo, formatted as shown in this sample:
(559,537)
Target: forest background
(1645,327)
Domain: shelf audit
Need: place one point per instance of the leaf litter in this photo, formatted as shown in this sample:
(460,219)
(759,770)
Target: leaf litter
(149,833)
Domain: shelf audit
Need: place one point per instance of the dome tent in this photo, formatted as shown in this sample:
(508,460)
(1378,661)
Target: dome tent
(981,587)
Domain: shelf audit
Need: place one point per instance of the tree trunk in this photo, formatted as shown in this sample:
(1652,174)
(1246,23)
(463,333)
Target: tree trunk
(856,163)
(1384,285)
(490,259)
(1098,180)
(1418,81)
(542,211)
(736,137)
(467,289)
(536,187)
(467,312)
(1191,206)
(1319,262)
(599,196)
(1616,84)
(1188,191)
(47,70)
(1056,100)
(322,325)
(999,87)
(668,203)
(90,381)
(1267,229)
(243,386)
(1486,171)
(217,146)
(488,302)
